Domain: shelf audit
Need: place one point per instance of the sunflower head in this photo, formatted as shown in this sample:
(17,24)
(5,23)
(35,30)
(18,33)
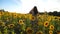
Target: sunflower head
(29,30)
(50,32)
(25,15)
(54,18)
(32,18)
(2,24)
(11,25)
(51,27)
(58,18)
(38,16)
(39,32)
(21,22)
(14,15)
(1,13)
(58,32)
(46,24)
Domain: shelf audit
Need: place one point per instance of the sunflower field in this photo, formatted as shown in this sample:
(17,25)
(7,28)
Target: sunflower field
(16,23)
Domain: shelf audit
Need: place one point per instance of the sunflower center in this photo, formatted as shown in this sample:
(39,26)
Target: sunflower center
(39,33)
(29,31)
(0,23)
(11,25)
(51,27)
(46,23)
(20,21)
(32,17)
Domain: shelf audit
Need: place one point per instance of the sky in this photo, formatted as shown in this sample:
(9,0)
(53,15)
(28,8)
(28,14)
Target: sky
(24,6)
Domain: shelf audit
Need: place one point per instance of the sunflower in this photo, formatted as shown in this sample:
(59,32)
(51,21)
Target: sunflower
(58,32)
(39,32)
(51,27)
(46,24)
(11,25)
(54,17)
(2,24)
(1,13)
(58,18)
(25,15)
(14,15)
(50,32)
(38,16)
(21,22)
(29,30)
(32,18)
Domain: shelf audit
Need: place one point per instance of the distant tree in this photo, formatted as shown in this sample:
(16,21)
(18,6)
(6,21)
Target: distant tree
(55,13)
(2,10)
(50,13)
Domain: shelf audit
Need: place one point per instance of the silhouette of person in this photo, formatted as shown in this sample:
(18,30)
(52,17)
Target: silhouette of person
(34,11)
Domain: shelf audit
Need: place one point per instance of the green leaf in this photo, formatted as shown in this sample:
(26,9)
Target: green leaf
(0,32)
